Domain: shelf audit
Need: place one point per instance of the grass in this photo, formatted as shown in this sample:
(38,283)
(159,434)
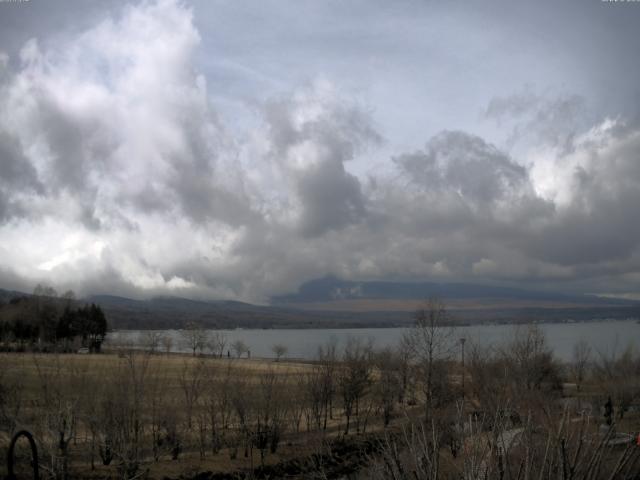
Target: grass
(88,379)
(31,372)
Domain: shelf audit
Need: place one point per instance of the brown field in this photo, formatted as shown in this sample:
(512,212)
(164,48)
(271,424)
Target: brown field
(26,366)
(80,379)
(136,414)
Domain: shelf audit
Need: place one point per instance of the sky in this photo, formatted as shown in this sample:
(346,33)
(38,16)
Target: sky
(236,149)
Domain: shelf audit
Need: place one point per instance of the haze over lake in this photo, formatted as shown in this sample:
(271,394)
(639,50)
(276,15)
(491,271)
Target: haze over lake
(604,337)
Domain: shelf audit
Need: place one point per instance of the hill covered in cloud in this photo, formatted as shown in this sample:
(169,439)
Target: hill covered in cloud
(330,289)
(333,303)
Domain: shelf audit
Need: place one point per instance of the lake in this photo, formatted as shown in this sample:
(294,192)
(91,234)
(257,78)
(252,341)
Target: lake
(603,336)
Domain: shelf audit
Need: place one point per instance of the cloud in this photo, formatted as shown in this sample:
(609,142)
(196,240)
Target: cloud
(110,136)
(19,179)
(135,181)
(120,175)
(550,118)
(479,173)
(311,137)
(601,187)
(119,113)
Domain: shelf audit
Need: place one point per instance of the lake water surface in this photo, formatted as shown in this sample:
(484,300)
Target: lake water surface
(603,336)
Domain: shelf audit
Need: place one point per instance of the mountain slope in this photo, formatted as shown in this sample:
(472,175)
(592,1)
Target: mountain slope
(334,303)
(331,289)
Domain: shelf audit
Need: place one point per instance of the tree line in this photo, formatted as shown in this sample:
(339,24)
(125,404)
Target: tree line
(47,321)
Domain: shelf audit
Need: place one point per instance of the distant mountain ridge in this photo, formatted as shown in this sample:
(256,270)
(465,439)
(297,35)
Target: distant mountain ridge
(6,295)
(169,301)
(333,303)
(331,288)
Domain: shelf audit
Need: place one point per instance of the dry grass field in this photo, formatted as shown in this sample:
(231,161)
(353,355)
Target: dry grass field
(29,367)
(158,390)
(81,378)
(134,414)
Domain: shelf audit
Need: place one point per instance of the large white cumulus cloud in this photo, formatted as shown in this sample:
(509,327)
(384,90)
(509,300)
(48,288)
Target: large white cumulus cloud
(114,148)
(118,175)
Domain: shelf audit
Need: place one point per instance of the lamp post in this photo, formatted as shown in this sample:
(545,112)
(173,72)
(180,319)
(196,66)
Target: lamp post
(462,340)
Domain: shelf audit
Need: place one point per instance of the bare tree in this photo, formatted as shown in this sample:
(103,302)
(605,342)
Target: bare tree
(580,362)
(216,344)
(239,348)
(313,386)
(279,350)
(354,378)
(270,412)
(618,374)
(172,435)
(531,360)
(191,378)
(60,393)
(167,343)
(327,361)
(157,405)
(431,342)
(194,338)
(388,383)
(217,404)
(297,403)
(490,378)
(151,341)
(91,410)
(565,449)
(242,404)
(124,411)
(403,356)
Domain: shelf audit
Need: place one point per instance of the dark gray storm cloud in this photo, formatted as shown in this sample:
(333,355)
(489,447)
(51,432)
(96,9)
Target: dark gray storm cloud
(228,152)
(598,224)
(312,137)
(331,199)
(17,172)
(18,178)
(456,161)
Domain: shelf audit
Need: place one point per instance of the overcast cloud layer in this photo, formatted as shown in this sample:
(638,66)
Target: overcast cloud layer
(235,150)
